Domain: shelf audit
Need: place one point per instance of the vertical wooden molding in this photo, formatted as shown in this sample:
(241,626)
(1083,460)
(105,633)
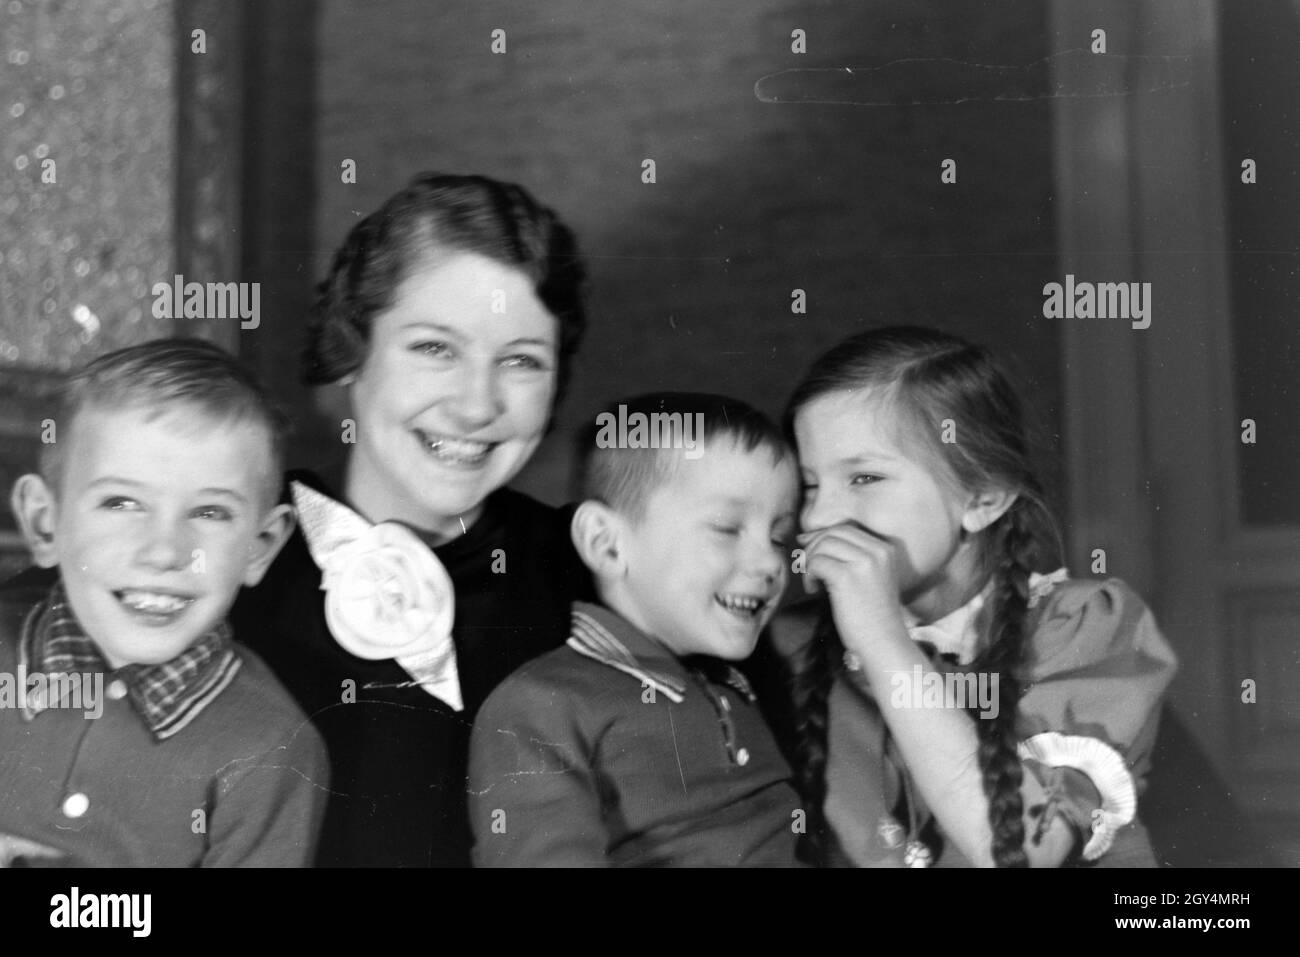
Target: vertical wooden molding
(1102,380)
(209,93)
(1142,200)
(1177,146)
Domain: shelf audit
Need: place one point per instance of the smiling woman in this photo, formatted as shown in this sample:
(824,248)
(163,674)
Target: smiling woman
(455,393)
(450,316)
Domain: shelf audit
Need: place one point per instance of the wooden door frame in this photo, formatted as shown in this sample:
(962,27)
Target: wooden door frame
(1150,415)
(1120,220)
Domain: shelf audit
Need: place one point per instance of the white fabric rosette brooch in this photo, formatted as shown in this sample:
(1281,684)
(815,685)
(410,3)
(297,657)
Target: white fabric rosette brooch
(386,593)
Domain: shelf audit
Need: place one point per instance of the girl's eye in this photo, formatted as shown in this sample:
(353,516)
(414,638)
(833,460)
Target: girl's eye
(432,348)
(217,513)
(120,503)
(863,478)
(524,361)
(726,529)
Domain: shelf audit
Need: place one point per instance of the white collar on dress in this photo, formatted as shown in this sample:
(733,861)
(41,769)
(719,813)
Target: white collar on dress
(957,633)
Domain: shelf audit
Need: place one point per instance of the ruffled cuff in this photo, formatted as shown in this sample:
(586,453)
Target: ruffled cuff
(1106,770)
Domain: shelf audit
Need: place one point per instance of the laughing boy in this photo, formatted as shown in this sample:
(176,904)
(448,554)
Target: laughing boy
(639,744)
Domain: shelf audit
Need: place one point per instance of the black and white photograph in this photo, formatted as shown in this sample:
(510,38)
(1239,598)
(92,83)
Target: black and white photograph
(661,434)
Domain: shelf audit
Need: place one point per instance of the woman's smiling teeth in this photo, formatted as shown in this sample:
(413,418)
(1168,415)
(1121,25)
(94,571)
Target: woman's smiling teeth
(152,602)
(455,451)
(746,606)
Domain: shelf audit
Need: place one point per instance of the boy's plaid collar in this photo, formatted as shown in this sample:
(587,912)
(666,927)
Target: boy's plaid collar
(607,637)
(167,696)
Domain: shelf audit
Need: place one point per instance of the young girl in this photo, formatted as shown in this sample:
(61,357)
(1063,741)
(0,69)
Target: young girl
(954,707)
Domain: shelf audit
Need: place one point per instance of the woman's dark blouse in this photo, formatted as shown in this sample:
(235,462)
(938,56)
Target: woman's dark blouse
(399,755)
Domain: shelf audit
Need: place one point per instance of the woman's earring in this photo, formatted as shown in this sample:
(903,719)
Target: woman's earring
(348,379)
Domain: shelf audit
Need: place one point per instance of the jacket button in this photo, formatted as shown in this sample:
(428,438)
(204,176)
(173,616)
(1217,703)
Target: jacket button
(75,805)
(742,757)
(116,689)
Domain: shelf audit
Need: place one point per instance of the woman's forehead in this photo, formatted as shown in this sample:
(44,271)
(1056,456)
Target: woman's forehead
(466,275)
(471,295)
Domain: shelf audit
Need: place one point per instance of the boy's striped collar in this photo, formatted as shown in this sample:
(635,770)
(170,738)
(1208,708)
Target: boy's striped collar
(167,696)
(604,636)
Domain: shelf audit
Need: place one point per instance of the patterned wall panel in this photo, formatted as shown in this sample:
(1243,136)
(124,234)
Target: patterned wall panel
(119,168)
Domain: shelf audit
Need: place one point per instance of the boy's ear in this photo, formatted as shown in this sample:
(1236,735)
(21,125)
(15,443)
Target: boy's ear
(985,508)
(37,510)
(277,526)
(594,531)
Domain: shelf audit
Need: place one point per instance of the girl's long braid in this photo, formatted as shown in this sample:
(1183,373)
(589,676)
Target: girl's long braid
(998,757)
(812,689)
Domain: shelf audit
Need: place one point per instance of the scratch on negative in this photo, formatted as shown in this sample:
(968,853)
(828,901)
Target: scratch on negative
(680,773)
(947,81)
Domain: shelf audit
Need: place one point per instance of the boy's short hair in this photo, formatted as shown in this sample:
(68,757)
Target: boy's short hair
(162,374)
(623,478)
